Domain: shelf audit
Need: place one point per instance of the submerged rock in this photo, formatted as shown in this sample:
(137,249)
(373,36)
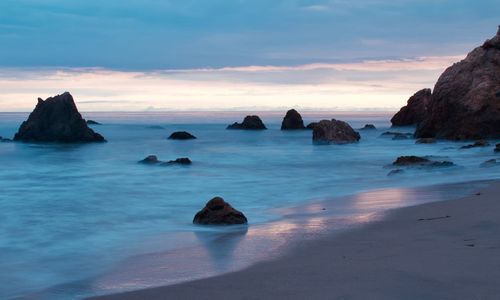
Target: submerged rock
(151,159)
(465,103)
(414,111)
(180,161)
(418,161)
(181,135)
(480,143)
(92,122)
(249,123)
(292,121)
(426,141)
(334,131)
(311,125)
(56,120)
(395,172)
(368,127)
(219,212)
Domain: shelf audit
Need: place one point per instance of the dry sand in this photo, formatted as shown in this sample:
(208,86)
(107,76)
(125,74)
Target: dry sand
(442,250)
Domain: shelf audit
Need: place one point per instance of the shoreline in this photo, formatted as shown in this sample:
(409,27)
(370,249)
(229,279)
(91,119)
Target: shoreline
(376,260)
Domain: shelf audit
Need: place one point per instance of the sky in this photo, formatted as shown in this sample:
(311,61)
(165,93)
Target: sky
(233,54)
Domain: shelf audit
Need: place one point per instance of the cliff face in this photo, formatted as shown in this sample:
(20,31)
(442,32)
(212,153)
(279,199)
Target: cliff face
(465,103)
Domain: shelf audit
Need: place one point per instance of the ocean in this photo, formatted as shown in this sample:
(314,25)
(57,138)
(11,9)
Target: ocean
(88,219)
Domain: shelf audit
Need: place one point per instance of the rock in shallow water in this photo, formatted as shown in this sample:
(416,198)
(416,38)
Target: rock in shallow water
(414,111)
(481,143)
(151,159)
(368,127)
(417,161)
(334,131)
(56,120)
(249,123)
(179,161)
(292,121)
(181,135)
(219,212)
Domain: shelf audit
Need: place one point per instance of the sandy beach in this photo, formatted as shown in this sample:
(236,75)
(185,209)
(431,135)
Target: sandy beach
(441,250)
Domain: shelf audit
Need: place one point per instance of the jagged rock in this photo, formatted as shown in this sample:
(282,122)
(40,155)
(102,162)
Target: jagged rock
(151,159)
(311,125)
(181,135)
(56,120)
(465,103)
(490,163)
(180,161)
(249,123)
(414,111)
(417,161)
(368,127)
(480,143)
(292,121)
(219,212)
(334,131)
(92,122)
(426,141)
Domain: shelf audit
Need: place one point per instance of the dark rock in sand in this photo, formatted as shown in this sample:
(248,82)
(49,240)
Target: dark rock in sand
(219,212)
(180,161)
(311,125)
(417,161)
(490,163)
(181,135)
(368,127)
(465,103)
(426,141)
(56,120)
(249,123)
(292,121)
(151,159)
(92,122)
(334,131)
(414,111)
(481,143)
(395,172)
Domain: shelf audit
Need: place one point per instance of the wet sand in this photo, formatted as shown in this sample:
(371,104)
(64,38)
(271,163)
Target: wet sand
(441,250)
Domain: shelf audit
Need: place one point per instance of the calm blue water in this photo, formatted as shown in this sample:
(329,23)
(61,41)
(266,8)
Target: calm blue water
(73,212)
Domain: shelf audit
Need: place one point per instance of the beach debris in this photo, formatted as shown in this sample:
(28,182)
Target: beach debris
(480,143)
(92,122)
(292,121)
(56,119)
(334,132)
(219,212)
(368,127)
(181,135)
(426,141)
(249,123)
(414,111)
(463,107)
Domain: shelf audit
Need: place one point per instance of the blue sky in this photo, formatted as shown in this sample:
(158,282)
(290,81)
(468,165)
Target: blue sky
(151,35)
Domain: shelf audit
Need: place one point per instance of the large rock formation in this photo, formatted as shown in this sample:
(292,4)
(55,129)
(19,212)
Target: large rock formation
(292,121)
(219,212)
(465,103)
(334,131)
(56,120)
(249,123)
(414,111)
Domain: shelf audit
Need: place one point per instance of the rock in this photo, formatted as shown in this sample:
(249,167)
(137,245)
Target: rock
(180,161)
(219,212)
(181,135)
(56,120)
(465,103)
(311,125)
(480,143)
(414,111)
(426,141)
(151,159)
(490,163)
(334,131)
(249,123)
(397,135)
(417,161)
(92,122)
(368,127)
(395,172)
(497,148)
(292,121)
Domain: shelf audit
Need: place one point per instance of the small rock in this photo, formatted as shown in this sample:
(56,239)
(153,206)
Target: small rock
(368,127)
(151,159)
(219,212)
(249,123)
(417,161)
(497,148)
(292,121)
(181,135)
(334,131)
(480,143)
(180,161)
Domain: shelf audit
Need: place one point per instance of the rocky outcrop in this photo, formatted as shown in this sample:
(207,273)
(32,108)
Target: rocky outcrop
(414,111)
(417,161)
(92,122)
(150,160)
(480,143)
(368,127)
(249,123)
(292,121)
(334,131)
(56,119)
(181,135)
(311,125)
(465,103)
(219,212)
